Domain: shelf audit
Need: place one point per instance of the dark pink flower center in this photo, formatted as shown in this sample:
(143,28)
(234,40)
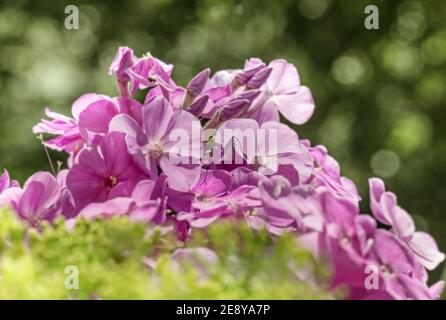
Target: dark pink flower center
(110,181)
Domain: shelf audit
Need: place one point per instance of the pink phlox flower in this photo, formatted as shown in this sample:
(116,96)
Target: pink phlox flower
(167,140)
(283,93)
(386,210)
(104,173)
(38,200)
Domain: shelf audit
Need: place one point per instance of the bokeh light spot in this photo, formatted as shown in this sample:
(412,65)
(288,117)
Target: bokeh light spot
(385,163)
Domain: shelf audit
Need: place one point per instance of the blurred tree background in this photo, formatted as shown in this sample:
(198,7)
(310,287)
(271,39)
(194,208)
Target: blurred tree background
(380,94)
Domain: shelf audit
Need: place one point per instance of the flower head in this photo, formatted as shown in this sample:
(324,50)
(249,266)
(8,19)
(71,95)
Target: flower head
(284,93)
(166,140)
(38,200)
(104,173)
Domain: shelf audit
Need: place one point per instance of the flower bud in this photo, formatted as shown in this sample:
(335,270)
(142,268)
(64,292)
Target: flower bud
(233,109)
(259,78)
(197,84)
(198,105)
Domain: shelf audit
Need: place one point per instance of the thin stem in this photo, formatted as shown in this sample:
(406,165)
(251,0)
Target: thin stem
(40,137)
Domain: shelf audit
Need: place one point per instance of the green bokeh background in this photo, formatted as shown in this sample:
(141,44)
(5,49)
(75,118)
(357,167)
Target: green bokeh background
(380,94)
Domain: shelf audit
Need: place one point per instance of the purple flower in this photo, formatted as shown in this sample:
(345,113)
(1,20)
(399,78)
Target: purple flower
(145,72)
(147,203)
(94,120)
(66,129)
(149,72)
(283,93)
(266,148)
(386,210)
(167,139)
(38,199)
(104,173)
(291,208)
(327,173)
(123,61)
(214,199)
(91,116)
(396,264)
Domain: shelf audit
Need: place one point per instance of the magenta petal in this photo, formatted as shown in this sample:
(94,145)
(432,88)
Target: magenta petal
(197,84)
(180,177)
(145,212)
(213,183)
(115,153)
(40,194)
(426,250)
(4,181)
(259,78)
(85,178)
(266,113)
(97,116)
(402,223)
(122,189)
(157,114)
(11,197)
(129,107)
(51,190)
(143,191)
(392,253)
(197,107)
(185,136)
(135,137)
(377,189)
(83,102)
(414,289)
(203,222)
(85,188)
(91,162)
(108,209)
(123,60)
(297,107)
(284,78)
(279,138)
(436,289)
(341,211)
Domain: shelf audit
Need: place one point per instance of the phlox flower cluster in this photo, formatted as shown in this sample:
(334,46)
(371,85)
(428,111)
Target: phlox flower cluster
(187,157)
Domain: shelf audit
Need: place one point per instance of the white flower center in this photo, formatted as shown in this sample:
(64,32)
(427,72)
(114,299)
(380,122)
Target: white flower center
(154,149)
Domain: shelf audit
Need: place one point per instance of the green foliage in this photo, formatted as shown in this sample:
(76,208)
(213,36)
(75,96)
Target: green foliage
(110,255)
